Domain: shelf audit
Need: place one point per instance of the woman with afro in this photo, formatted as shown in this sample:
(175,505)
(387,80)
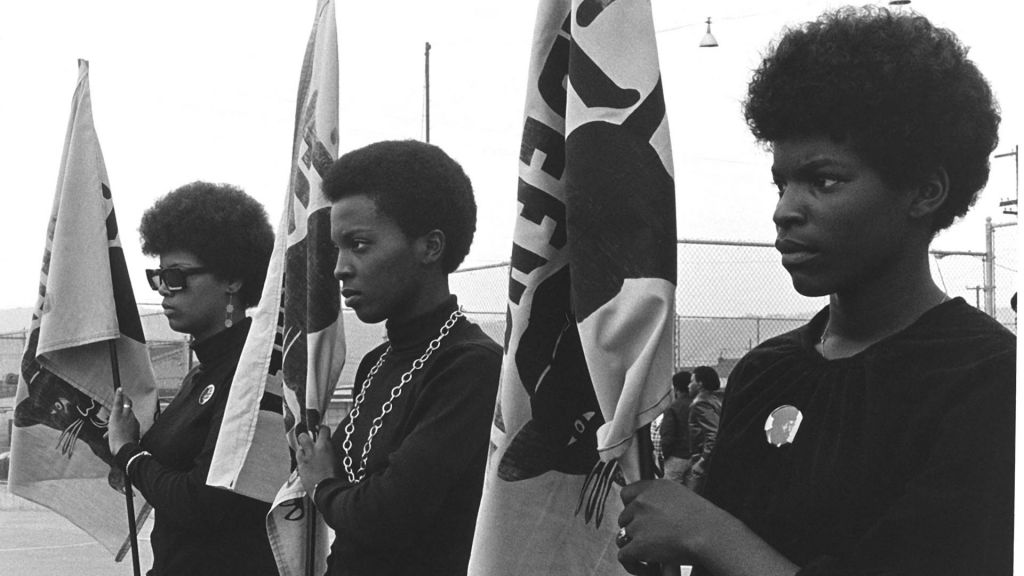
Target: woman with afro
(214,244)
(400,479)
(896,402)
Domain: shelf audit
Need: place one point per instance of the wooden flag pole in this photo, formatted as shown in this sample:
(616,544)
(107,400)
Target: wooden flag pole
(645,447)
(129,500)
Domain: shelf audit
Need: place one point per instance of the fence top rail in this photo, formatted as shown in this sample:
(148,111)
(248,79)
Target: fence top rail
(713,242)
(501,264)
(710,242)
(747,318)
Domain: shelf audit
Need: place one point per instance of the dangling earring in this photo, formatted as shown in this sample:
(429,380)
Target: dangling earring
(229,310)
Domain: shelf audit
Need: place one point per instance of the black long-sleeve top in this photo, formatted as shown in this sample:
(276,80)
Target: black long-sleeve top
(903,461)
(199,530)
(702,422)
(675,432)
(415,511)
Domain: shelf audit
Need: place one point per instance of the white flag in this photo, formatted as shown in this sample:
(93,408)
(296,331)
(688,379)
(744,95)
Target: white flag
(85,316)
(591,294)
(295,350)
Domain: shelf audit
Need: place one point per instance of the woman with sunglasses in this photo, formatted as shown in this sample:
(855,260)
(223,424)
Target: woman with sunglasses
(214,244)
(879,437)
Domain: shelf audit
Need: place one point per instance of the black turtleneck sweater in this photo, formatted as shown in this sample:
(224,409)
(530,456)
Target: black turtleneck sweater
(199,530)
(415,511)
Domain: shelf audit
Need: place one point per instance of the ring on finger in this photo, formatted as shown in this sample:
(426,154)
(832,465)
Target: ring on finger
(621,539)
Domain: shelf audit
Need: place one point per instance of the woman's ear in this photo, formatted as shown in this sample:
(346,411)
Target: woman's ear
(233,287)
(930,194)
(432,246)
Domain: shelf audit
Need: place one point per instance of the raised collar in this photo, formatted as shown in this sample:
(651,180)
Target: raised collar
(222,343)
(417,331)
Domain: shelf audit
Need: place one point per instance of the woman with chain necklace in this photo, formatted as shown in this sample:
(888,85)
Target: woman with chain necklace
(879,437)
(400,480)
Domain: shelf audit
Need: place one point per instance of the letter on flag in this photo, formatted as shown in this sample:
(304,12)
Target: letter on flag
(59,453)
(591,294)
(295,350)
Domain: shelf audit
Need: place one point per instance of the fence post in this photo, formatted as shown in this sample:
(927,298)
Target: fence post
(990,268)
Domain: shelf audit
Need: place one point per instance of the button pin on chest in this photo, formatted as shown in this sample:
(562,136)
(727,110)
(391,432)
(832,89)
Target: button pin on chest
(782,424)
(207,394)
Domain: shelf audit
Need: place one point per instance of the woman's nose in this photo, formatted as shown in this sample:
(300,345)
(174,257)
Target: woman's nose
(790,208)
(342,268)
(162,289)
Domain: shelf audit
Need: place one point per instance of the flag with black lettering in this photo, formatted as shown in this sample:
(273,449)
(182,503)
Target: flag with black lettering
(59,452)
(591,294)
(295,350)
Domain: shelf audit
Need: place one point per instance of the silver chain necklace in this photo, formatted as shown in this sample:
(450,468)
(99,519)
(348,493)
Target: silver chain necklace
(346,446)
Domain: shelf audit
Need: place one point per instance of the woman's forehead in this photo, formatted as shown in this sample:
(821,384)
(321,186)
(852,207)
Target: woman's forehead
(179,259)
(358,213)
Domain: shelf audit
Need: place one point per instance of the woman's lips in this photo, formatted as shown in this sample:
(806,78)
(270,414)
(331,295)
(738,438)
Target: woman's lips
(794,252)
(351,297)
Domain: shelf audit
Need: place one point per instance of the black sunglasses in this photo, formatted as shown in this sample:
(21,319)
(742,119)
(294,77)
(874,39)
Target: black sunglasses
(173,278)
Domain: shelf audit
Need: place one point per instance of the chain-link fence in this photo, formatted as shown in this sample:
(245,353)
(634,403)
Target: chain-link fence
(169,353)
(1004,264)
(730,296)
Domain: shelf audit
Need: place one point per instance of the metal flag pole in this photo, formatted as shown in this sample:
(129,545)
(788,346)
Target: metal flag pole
(426,74)
(646,449)
(311,536)
(129,500)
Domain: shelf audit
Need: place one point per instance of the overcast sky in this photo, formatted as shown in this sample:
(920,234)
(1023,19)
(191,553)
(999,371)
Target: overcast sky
(205,89)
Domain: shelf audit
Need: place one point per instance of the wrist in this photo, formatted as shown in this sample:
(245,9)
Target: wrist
(116,447)
(134,459)
(316,487)
(124,453)
(320,487)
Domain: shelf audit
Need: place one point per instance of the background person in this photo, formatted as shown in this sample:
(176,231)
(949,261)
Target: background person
(702,422)
(675,430)
(897,401)
(214,245)
(400,480)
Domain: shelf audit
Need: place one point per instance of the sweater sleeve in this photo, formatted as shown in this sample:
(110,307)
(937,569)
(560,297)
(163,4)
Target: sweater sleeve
(182,497)
(390,508)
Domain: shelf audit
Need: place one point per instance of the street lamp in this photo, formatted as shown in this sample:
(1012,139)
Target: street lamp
(708,41)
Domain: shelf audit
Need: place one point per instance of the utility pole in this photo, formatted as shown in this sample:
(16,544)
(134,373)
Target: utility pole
(990,268)
(990,263)
(1010,205)
(426,74)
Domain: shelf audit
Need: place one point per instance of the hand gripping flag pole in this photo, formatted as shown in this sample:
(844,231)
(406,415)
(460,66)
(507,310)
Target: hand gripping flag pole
(129,501)
(86,333)
(588,346)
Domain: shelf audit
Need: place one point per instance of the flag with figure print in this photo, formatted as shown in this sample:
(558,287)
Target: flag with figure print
(591,294)
(59,453)
(296,347)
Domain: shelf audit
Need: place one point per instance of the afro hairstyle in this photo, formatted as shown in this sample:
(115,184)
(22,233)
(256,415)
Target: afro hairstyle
(899,90)
(224,227)
(415,184)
